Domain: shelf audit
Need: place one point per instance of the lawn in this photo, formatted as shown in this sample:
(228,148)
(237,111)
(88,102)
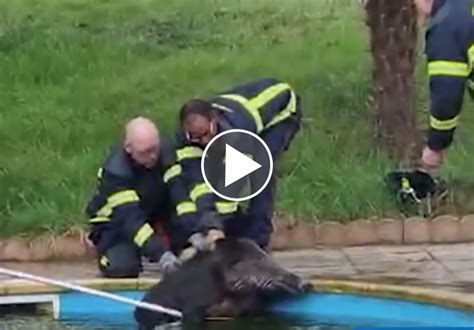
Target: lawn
(72,72)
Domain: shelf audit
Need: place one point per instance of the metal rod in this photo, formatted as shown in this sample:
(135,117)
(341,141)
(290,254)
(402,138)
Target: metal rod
(75,287)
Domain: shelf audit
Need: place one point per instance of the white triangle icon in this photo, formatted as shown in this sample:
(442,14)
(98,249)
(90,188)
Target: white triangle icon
(237,165)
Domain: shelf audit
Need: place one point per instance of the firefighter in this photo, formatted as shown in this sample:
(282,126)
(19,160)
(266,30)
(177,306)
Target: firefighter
(267,107)
(450,55)
(129,209)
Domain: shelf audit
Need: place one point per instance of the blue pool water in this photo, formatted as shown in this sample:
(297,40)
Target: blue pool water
(336,310)
(312,311)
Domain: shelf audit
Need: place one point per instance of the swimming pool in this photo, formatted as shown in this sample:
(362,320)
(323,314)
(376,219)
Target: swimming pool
(40,323)
(330,310)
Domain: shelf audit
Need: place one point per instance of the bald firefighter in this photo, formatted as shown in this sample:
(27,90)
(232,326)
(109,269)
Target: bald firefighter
(267,107)
(129,211)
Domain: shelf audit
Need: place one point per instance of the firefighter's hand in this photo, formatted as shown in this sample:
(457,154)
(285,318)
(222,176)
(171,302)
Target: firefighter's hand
(206,243)
(431,159)
(198,241)
(212,236)
(169,262)
(188,253)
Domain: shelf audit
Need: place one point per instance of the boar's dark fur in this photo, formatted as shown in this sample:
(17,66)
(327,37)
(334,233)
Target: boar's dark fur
(235,279)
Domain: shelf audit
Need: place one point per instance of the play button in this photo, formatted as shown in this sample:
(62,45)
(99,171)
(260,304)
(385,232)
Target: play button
(245,165)
(237,165)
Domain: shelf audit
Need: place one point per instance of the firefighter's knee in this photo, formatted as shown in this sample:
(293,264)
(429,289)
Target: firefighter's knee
(120,261)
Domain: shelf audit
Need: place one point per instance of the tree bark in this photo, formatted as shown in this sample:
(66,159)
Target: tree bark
(393,41)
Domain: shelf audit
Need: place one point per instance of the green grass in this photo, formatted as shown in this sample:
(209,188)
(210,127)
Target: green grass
(72,71)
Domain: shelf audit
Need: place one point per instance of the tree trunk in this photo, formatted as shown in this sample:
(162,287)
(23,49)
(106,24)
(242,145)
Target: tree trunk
(393,41)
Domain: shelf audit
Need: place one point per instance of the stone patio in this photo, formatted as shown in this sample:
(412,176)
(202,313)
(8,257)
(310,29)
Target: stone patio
(449,267)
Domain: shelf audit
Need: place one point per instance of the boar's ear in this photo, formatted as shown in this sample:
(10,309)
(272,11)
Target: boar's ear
(237,249)
(228,251)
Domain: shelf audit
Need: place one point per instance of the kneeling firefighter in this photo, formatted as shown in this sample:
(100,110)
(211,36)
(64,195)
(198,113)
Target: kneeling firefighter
(267,107)
(130,209)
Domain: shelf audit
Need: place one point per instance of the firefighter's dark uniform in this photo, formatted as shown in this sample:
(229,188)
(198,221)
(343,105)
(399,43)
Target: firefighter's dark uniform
(450,55)
(267,107)
(128,201)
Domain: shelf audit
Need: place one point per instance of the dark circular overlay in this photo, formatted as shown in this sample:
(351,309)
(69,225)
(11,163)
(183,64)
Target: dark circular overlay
(248,147)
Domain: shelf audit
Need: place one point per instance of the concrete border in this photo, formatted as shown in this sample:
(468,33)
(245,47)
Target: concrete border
(287,236)
(422,295)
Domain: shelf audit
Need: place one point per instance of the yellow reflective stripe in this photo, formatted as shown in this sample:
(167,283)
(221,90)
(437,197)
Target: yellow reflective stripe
(143,234)
(285,113)
(188,152)
(443,125)
(405,183)
(119,198)
(122,197)
(185,207)
(99,220)
(199,190)
(226,207)
(470,56)
(268,94)
(99,173)
(250,108)
(173,171)
(222,107)
(448,68)
(253,105)
(104,261)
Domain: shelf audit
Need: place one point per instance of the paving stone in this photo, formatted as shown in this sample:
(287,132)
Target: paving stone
(383,268)
(361,232)
(407,262)
(416,230)
(444,229)
(331,234)
(466,276)
(409,265)
(280,239)
(60,270)
(459,265)
(431,271)
(65,247)
(316,258)
(387,254)
(390,231)
(310,254)
(40,248)
(384,249)
(327,270)
(466,228)
(452,251)
(302,236)
(15,250)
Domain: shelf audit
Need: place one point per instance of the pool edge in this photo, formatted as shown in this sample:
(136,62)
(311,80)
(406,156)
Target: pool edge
(457,300)
(444,298)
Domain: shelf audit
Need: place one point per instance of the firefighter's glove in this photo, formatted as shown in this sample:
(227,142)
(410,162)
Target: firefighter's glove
(188,254)
(212,236)
(169,262)
(198,241)
(206,243)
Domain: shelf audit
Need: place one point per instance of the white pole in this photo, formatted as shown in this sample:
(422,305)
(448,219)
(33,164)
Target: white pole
(142,304)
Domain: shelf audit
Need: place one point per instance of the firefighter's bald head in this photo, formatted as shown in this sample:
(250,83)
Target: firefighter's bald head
(142,141)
